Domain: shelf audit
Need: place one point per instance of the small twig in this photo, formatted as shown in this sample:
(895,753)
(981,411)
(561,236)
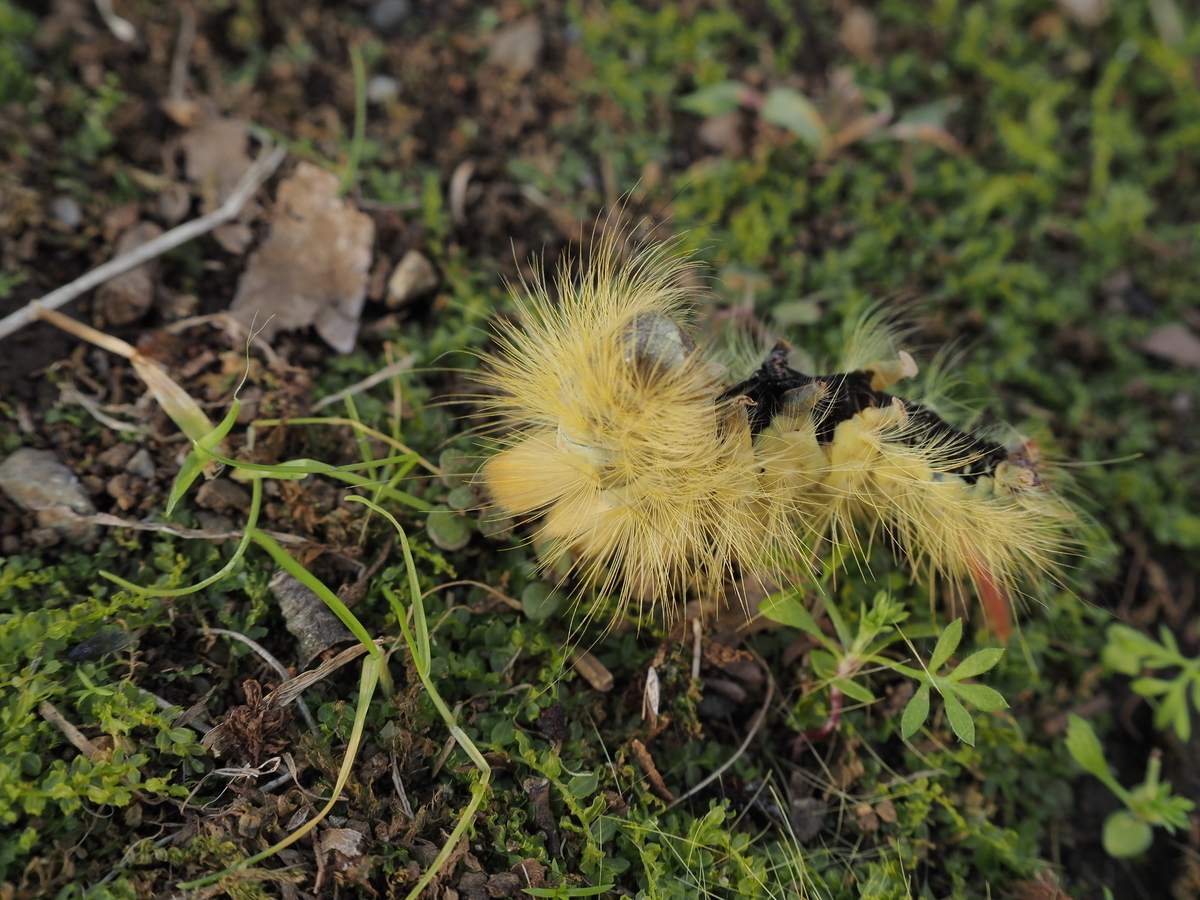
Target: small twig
(459,180)
(51,714)
(400,365)
(646,762)
(834,719)
(122,29)
(594,672)
(263,168)
(183,50)
(68,393)
(185,718)
(270,767)
(294,687)
(508,601)
(112,521)
(274,664)
(399,785)
(235,331)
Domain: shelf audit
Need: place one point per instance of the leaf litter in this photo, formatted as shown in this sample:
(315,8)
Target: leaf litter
(313,267)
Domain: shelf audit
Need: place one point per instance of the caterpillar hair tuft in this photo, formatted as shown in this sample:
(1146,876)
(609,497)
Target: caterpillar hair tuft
(655,476)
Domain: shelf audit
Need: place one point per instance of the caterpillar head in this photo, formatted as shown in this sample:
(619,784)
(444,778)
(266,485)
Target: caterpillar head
(1020,472)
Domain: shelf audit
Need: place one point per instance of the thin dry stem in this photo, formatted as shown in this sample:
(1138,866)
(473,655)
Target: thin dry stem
(263,168)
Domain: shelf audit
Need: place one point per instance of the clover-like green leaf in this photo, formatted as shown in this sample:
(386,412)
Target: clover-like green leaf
(977,663)
(946,645)
(982,697)
(960,719)
(915,713)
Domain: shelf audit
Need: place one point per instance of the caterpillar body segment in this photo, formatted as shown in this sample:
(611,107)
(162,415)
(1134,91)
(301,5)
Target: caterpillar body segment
(640,468)
(654,477)
(957,506)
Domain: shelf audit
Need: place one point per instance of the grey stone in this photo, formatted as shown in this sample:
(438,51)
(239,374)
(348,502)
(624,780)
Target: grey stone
(141,465)
(384,15)
(36,480)
(66,210)
(517,47)
(307,617)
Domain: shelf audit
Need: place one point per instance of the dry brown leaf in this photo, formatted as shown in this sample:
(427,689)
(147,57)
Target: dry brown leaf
(518,47)
(1174,343)
(216,158)
(313,267)
(343,840)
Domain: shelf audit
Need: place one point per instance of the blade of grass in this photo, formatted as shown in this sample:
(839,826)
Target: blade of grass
(238,553)
(296,467)
(358,426)
(417,639)
(198,458)
(314,584)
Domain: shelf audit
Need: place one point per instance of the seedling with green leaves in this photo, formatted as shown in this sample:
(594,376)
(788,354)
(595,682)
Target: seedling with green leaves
(1129,831)
(951,686)
(1130,652)
(847,653)
(843,659)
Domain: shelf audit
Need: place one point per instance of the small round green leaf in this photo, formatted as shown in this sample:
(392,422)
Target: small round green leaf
(1126,835)
(447,529)
(462,497)
(540,602)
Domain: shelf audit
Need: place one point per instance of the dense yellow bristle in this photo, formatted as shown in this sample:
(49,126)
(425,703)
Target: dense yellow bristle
(644,471)
(622,440)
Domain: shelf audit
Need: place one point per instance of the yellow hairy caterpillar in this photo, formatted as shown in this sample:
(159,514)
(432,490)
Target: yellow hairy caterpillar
(656,476)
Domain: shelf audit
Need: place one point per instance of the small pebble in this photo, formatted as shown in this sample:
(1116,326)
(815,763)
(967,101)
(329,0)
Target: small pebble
(174,202)
(384,15)
(222,495)
(141,465)
(116,457)
(517,47)
(382,88)
(67,211)
(125,489)
(45,537)
(413,276)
